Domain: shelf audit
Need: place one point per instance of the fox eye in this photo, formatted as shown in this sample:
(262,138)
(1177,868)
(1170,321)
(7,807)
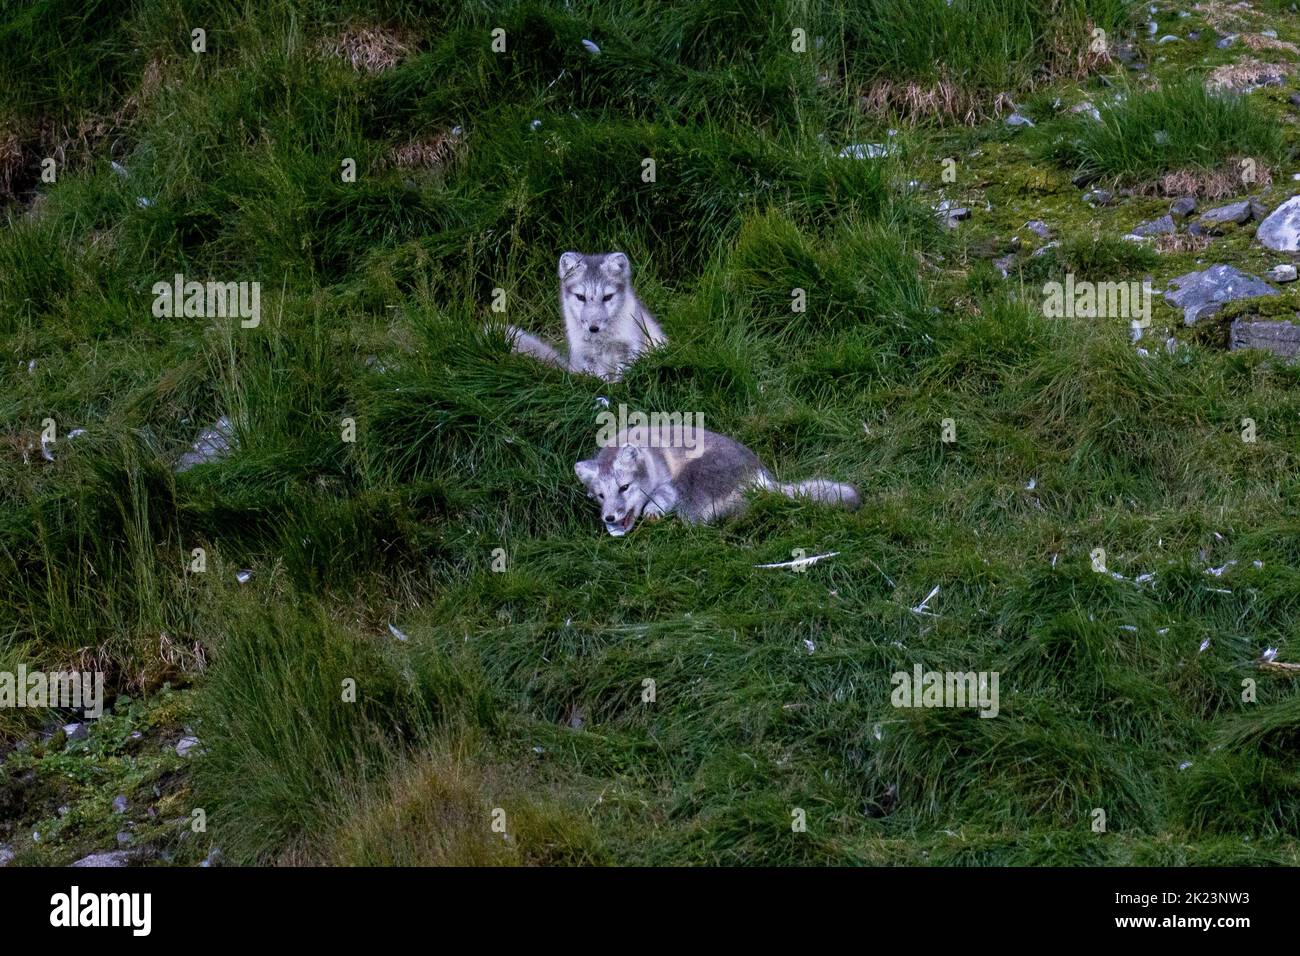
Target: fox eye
(623,488)
(580,297)
(608,297)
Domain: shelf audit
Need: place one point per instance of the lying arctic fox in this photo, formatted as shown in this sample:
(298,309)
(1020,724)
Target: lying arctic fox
(643,473)
(607,326)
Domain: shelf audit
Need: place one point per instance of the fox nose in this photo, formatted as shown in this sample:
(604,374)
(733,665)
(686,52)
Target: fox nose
(609,519)
(594,327)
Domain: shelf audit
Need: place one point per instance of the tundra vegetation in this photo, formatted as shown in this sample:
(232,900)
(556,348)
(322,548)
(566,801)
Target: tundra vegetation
(656,698)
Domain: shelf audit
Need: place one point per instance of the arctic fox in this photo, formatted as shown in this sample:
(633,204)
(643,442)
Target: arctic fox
(607,326)
(643,474)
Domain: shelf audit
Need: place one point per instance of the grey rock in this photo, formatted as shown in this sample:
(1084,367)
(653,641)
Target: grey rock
(1039,228)
(1004,265)
(1294,99)
(1281,230)
(866,151)
(123,838)
(1284,272)
(1099,197)
(185,745)
(1155,227)
(1234,212)
(1193,35)
(1043,251)
(1087,108)
(214,858)
(76,731)
(110,858)
(6,855)
(1282,338)
(1182,208)
(1201,294)
(1225,42)
(119,803)
(1168,38)
(1017,120)
(213,444)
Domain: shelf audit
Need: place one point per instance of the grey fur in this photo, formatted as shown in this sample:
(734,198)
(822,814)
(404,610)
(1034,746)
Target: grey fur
(641,474)
(606,325)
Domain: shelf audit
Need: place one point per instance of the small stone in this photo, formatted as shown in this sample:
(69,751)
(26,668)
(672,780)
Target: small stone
(213,858)
(1168,38)
(111,858)
(123,838)
(1155,227)
(1182,208)
(1294,99)
(1099,197)
(1282,273)
(1280,337)
(1235,212)
(76,731)
(1017,120)
(1039,228)
(1227,41)
(119,803)
(1201,294)
(1280,231)
(6,855)
(185,745)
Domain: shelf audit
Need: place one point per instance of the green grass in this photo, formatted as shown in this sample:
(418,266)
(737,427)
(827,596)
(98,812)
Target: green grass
(1144,134)
(523,690)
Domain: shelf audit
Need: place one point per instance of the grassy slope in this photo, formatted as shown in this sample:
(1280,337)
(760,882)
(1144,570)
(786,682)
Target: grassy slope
(523,691)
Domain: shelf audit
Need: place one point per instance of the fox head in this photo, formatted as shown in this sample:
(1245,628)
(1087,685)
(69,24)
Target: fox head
(594,289)
(614,479)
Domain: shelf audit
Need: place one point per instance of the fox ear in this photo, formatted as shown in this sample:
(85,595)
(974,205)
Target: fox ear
(569,261)
(586,472)
(617,266)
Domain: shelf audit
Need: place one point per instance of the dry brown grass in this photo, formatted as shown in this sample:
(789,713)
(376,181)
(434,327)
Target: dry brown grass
(1244,74)
(1226,17)
(24,146)
(948,100)
(1214,183)
(1256,41)
(1181,242)
(433,153)
(942,100)
(371,48)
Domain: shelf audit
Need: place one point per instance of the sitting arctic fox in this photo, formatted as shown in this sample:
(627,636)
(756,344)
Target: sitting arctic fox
(643,473)
(607,326)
